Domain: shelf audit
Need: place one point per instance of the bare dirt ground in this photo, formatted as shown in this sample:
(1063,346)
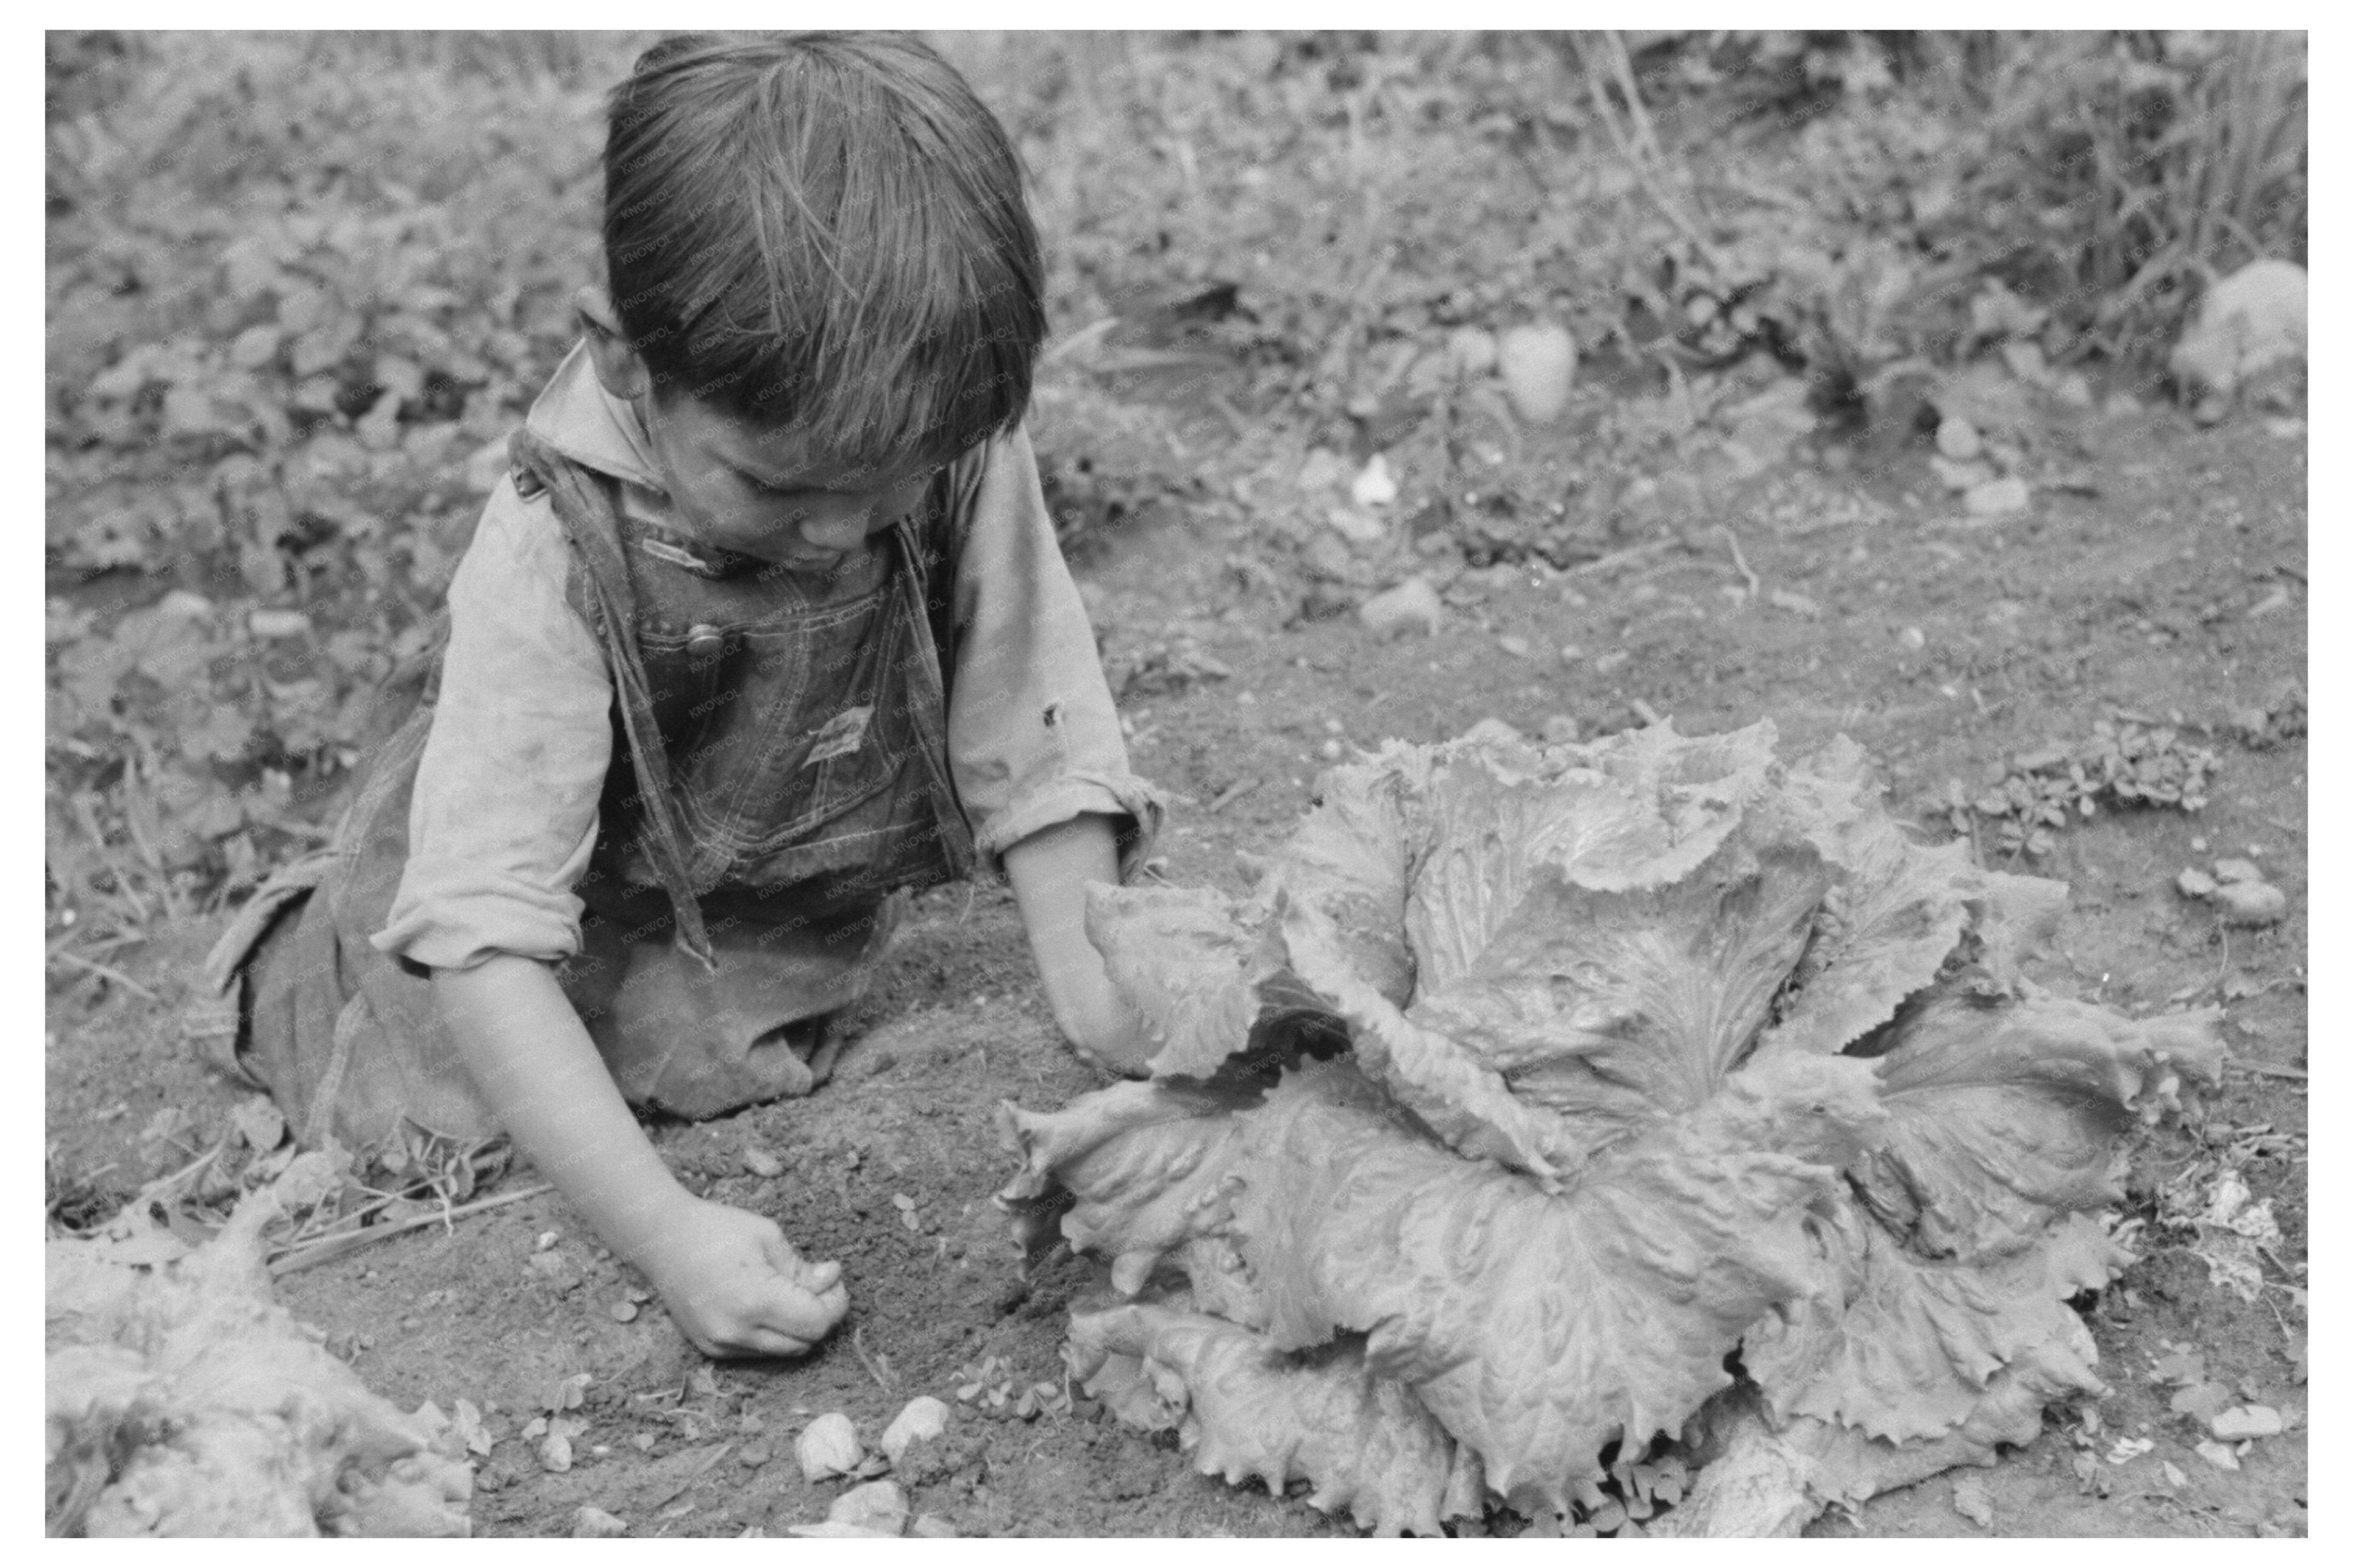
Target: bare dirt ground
(1945,646)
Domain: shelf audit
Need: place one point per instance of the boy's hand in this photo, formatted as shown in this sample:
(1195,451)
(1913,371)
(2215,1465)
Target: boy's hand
(736,1287)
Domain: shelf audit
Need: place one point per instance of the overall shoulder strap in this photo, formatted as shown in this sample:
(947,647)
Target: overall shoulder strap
(585,506)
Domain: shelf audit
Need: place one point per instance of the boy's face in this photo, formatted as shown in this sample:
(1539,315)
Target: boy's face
(738,488)
(747,491)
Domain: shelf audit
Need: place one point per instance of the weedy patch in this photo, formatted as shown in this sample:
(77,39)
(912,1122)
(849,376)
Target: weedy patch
(2129,761)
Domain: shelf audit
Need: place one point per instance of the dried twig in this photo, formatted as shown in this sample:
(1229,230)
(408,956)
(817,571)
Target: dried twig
(1618,558)
(2268,1069)
(1233,793)
(1739,560)
(858,1344)
(104,972)
(328,1248)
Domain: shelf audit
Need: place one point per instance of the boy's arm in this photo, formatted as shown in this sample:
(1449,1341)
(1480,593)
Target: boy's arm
(1050,871)
(729,1278)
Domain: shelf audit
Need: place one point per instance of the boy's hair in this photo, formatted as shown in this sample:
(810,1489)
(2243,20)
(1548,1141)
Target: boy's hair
(823,233)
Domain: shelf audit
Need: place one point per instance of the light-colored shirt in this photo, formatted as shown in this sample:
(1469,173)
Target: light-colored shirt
(504,814)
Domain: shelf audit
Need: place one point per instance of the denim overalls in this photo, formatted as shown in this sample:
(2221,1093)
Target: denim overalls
(779,773)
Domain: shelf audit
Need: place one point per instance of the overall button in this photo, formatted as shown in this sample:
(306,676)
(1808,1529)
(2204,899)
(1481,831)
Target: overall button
(704,642)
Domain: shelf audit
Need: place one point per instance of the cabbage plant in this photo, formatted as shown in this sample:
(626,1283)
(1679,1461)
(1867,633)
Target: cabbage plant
(1573,1126)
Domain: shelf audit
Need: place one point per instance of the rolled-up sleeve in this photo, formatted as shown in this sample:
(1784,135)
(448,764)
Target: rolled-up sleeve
(1033,736)
(504,814)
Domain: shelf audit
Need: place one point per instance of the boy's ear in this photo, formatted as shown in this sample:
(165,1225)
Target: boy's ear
(619,369)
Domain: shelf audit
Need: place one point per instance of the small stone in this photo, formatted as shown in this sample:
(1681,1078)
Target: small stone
(828,1447)
(2241,1422)
(1957,439)
(1560,730)
(762,1163)
(752,1455)
(2248,322)
(932,1527)
(623,1312)
(596,1524)
(275,624)
(1570,653)
(1360,529)
(1331,751)
(879,1506)
(2237,870)
(2218,1455)
(1517,647)
(1373,485)
(2194,883)
(1972,1502)
(2198,846)
(2251,903)
(547,1239)
(1538,363)
(1913,637)
(1411,603)
(1998,498)
(1958,477)
(922,1419)
(1796,603)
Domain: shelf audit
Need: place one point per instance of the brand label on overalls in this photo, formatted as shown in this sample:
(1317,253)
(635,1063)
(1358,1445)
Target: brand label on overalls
(842,734)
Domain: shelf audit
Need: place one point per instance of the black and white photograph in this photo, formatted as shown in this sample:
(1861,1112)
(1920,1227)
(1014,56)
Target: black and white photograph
(917,784)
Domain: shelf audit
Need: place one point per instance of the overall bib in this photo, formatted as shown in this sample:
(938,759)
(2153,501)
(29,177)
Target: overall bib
(779,776)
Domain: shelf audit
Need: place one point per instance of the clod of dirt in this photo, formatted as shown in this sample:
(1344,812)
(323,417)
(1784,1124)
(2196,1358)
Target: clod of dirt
(829,1448)
(1538,364)
(596,1524)
(184,1400)
(878,1506)
(923,1419)
(762,1163)
(1412,603)
(1558,730)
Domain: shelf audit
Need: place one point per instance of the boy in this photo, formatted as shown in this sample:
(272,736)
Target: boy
(767,625)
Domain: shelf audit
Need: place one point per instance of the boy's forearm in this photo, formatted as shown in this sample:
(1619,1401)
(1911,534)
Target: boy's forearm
(1050,871)
(535,1065)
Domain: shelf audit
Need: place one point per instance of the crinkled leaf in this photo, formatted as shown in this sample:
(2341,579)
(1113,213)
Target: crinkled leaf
(1366,1443)
(1182,960)
(1905,1348)
(2006,1114)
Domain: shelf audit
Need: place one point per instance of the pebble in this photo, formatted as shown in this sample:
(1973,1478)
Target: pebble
(1957,439)
(2237,870)
(1913,637)
(274,624)
(1998,498)
(623,1312)
(2251,903)
(922,1419)
(2218,1455)
(828,1447)
(876,1505)
(1412,603)
(1538,363)
(596,1524)
(1331,751)
(2243,1421)
(2194,883)
(1517,647)
(932,1527)
(1358,528)
(1323,469)
(752,1455)
(1560,730)
(1374,484)
(762,1163)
